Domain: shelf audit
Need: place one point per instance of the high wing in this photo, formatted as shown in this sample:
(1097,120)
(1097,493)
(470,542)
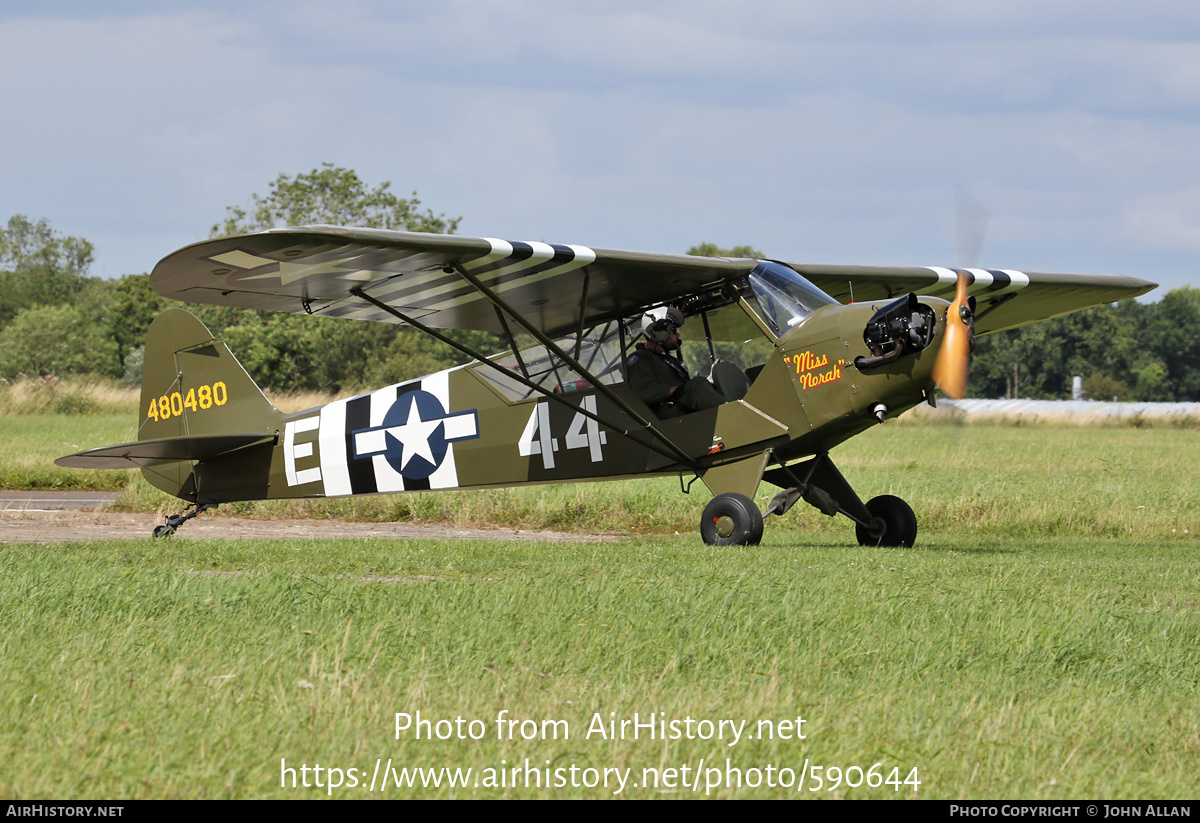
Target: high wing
(453,282)
(1006,298)
(314,270)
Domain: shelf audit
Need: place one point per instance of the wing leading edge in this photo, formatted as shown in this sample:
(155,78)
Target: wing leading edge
(557,288)
(1006,298)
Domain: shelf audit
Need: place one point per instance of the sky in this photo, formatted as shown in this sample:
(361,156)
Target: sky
(823,132)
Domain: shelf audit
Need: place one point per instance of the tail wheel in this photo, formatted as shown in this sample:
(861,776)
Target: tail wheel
(731,519)
(899,523)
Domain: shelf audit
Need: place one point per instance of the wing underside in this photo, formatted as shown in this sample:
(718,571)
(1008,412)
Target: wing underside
(452,282)
(316,270)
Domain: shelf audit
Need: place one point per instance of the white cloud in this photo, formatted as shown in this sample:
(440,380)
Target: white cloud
(812,130)
(1169,220)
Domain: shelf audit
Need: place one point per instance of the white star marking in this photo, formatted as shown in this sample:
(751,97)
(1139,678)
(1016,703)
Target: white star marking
(413,434)
(289,273)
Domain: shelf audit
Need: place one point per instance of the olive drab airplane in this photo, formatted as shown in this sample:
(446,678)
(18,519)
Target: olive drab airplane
(823,352)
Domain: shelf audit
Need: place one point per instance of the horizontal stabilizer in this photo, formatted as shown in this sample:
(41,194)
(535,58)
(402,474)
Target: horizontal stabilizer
(166,450)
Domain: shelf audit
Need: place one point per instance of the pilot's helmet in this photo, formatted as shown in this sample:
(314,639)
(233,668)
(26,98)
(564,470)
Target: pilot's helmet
(658,324)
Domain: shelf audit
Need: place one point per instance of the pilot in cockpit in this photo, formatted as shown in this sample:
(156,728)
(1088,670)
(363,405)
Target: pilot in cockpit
(660,378)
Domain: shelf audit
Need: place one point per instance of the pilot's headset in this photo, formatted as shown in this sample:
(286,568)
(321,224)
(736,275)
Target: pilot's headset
(659,323)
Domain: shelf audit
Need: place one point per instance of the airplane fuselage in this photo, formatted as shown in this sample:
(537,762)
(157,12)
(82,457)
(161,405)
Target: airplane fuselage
(458,429)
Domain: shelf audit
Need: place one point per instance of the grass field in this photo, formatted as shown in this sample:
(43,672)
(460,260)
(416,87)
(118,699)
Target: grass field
(1039,642)
(1003,668)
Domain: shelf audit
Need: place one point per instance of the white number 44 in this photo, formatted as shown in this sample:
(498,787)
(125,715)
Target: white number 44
(583,433)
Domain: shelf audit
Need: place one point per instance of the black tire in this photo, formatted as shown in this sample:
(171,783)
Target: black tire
(731,519)
(899,523)
(163,531)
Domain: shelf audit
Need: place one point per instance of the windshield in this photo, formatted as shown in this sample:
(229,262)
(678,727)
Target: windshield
(784,297)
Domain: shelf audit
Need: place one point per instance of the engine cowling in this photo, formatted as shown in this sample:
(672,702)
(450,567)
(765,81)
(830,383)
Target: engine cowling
(902,327)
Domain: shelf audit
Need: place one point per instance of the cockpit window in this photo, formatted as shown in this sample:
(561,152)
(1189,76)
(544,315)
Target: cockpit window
(599,351)
(784,297)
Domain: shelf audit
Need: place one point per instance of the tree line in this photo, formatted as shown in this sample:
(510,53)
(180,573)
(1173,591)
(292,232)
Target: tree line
(1126,351)
(57,319)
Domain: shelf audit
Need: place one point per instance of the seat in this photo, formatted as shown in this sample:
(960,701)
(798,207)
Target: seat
(729,380)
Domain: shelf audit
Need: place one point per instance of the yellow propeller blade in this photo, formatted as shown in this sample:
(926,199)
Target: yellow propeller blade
(950,368)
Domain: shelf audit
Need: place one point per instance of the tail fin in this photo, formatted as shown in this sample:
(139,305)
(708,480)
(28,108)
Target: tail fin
(206,432)
(192,385)
(195,391)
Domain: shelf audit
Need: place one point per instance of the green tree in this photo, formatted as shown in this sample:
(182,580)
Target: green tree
(334,196)
(129,305)
(713,250)
(57,340)
(38,266)
(1169,335)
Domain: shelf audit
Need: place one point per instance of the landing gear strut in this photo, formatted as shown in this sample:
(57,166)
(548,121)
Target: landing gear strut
(174,521)
(882,521)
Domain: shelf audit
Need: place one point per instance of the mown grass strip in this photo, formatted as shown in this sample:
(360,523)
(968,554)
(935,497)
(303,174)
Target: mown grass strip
(1047,668)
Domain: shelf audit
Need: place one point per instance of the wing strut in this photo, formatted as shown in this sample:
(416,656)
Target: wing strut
(582,314)
(575,365)
(512,342)
(671,451)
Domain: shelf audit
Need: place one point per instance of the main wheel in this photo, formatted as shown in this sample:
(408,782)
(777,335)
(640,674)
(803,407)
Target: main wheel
(899,522)
(731,519)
